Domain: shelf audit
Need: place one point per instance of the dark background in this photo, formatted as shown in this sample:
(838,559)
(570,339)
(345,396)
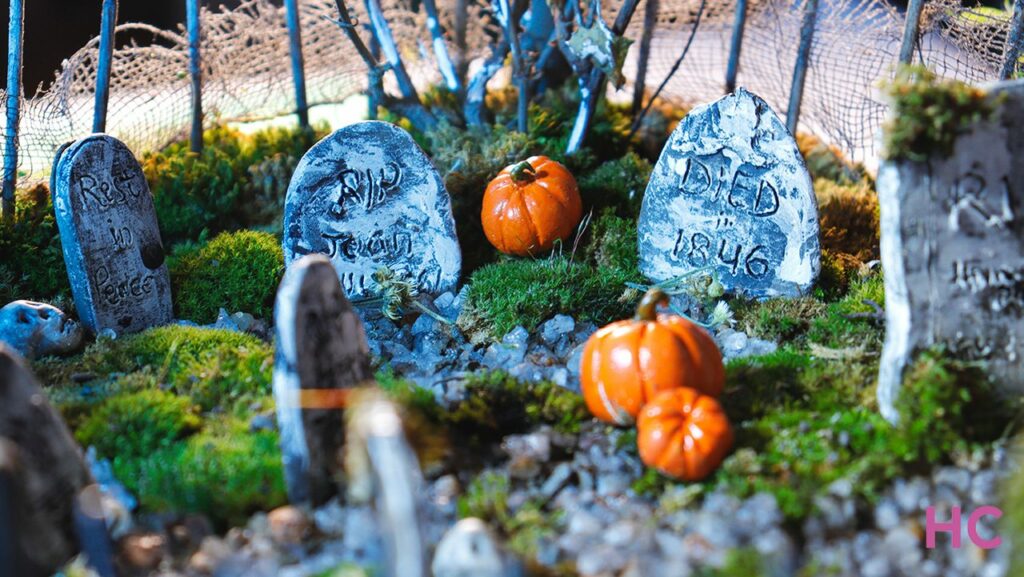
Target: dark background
(56,29)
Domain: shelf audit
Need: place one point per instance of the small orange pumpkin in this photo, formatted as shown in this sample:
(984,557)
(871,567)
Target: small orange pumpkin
(628,362)
(683,434)
(530,205)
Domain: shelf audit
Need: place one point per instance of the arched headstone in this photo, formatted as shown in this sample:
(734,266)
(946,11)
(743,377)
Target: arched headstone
(731,193)
(110,237)
(321,356)
(368,197)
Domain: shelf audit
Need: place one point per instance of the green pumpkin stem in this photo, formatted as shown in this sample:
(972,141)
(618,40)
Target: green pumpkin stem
(523,172)
(647,310)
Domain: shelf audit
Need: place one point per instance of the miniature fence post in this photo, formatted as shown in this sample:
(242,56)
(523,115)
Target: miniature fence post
(462,51)
(1014,41)
(803,57)
(640,84)
(732,69)
(298,66)
(195,71)
(911,30)
(104,65)
(14,39)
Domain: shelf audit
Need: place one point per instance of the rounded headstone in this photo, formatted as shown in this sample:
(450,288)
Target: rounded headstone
(321,354)
(731,194)
(110,237)
(367,197)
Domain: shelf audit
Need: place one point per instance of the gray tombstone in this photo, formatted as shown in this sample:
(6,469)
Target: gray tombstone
(953,253)
(110,237)
(43,471)
(368,197)
(731,193)
(321,355)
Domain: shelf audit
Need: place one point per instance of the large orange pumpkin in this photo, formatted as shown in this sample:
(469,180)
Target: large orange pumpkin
(628,362)
(530,205)
(683,434)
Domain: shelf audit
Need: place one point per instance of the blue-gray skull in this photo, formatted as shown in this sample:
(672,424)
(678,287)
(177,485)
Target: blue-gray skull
(37,329)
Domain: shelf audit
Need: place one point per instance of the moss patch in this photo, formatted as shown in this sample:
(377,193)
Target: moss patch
(136,424)
(32,265)
(237,271)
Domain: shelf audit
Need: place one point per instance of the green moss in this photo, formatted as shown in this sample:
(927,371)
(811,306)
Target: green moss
(741,562)
(517,292)
(1013,505)
(612,244)
(844,324)
(928,114)
(237,271)
(32,264)
(226,473)
(137,424)
(228,378)
(785,319)
(497,404)
(827,162)
(619,183)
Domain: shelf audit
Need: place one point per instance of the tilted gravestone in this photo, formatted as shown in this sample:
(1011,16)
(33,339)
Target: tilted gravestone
(368,197)
(731,194)
(953,253)
(321,356)
(42,472)
(110,237)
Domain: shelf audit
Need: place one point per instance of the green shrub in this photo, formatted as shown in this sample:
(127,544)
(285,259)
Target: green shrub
(526,292)
(137,424)
(32,264)
(237,271)
(225,474)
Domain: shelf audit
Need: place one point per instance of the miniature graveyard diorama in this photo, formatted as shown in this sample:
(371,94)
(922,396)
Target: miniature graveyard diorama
(502,288)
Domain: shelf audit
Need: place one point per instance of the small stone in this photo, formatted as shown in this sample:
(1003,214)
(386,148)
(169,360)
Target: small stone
(263,422)
(912,496)
(734,342)
(887,514)
(558,478)
(471,549)
(330,519)
(556,328)
(424,324)
(528,453)
(288,525)
(955,478)
(582,522)
(983,487)
(143,552)
(600,560)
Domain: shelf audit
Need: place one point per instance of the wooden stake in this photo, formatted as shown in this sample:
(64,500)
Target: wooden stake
(104,65)
(15,33)
(195,71)
(803,57)
(298,65)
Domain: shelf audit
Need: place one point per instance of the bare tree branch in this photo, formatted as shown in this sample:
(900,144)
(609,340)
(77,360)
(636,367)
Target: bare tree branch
(474,110)
(444,60)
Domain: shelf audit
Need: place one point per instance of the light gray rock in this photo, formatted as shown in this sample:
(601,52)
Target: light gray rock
(953,252)
(321,353)
(37,329)
(368,197)
(42,472)
(471,549)
(731,192)
(110,237)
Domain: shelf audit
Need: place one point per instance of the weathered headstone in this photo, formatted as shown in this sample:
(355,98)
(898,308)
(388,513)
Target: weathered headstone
(321,356)
(953,253)
(731,193)
(110,237)
(43,471)
(368,197)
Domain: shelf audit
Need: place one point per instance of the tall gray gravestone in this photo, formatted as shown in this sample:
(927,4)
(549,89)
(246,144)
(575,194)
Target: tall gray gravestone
(368,197)
(41,469)
(731,193)
(321,356)
(953,253)
(110,237)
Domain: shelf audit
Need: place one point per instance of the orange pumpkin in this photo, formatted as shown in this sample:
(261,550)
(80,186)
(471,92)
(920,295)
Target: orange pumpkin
(530,205)
(626,363)
(683,434)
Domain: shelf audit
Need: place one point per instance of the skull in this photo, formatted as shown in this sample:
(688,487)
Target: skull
(37,329)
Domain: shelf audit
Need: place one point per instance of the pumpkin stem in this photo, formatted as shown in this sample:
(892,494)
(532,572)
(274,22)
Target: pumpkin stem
(523,172)
(647,310)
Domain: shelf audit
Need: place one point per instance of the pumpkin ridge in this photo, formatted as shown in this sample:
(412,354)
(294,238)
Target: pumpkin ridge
(535,241)
(614,411)
(543,185)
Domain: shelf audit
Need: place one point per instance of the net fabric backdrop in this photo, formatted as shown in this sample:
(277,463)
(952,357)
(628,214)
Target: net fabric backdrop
(247,74)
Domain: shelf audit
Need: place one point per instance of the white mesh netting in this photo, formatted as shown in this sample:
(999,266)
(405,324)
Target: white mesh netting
(247,74)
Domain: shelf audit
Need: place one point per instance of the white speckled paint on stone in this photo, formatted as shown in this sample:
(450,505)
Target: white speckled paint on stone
(368,197)
(110,237)
(731,191)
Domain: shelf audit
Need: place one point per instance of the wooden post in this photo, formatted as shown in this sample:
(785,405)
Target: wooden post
(195,71)
(640,84)
(738,27)
(104,65)
(1014,41)
(911,30)
(803,57)
(461,49)
(298,65)
(14,38)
